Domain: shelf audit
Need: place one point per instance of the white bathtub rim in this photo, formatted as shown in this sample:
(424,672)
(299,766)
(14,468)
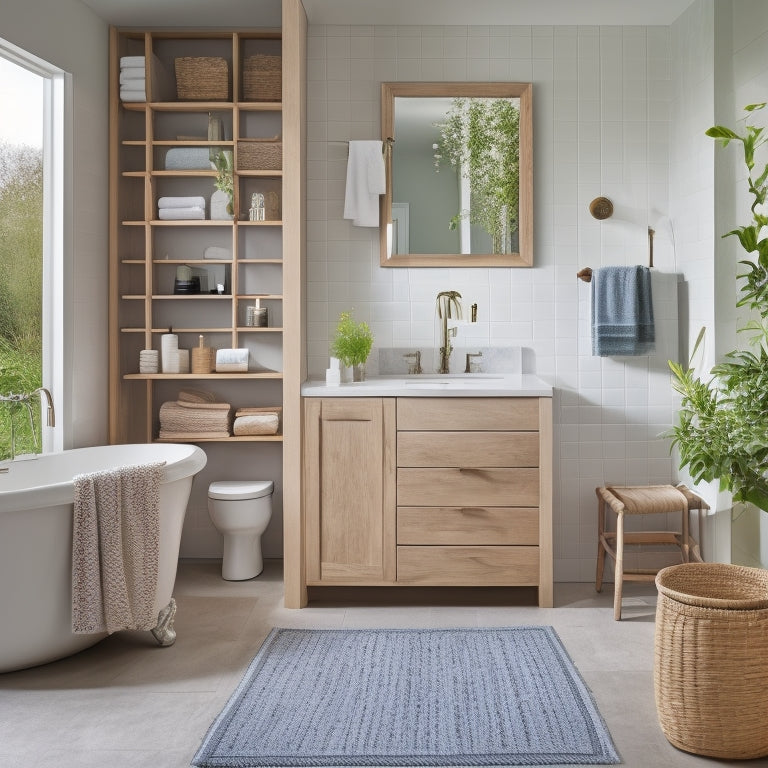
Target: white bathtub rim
(62,492)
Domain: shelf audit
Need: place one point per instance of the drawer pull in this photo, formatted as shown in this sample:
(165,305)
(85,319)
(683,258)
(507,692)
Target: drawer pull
(346,419)
(473,470)
(473,510)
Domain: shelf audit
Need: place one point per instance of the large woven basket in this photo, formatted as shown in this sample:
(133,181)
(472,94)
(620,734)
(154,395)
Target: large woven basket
(263,78)
(202,78)
(259,154)
(711,659)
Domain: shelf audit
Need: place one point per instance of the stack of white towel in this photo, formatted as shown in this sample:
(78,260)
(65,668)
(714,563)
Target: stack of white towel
(170,208)
(132,78)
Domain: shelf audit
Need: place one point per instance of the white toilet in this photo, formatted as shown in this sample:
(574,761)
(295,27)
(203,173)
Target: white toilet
(240,510)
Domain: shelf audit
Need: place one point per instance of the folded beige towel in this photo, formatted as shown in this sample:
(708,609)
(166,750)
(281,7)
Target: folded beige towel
(169,435)
(115,549)
(196,396)
(175,417)
(204,406)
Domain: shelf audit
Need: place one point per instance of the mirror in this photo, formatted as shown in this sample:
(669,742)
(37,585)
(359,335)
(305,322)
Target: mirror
(459,168)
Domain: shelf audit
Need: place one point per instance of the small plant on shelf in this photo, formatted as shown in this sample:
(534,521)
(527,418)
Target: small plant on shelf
(353,341)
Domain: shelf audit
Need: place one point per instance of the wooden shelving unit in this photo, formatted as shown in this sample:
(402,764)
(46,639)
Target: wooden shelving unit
(145,251)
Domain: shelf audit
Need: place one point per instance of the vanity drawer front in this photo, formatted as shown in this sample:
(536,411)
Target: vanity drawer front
(468,487)
(476,566)
(468,413)
(468,525)
(468,449)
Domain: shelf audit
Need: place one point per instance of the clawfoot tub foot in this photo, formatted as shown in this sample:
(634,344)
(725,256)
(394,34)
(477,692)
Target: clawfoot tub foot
(164,632)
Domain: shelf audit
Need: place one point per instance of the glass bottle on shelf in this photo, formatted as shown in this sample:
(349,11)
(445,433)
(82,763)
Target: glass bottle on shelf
(257,210)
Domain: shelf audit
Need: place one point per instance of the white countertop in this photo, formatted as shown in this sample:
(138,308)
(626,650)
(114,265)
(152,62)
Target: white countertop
(435,385)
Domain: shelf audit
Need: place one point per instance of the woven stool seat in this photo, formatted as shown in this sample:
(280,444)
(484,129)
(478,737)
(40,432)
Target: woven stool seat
(642,500)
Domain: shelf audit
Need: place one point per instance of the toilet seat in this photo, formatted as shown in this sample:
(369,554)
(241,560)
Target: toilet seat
(235,490)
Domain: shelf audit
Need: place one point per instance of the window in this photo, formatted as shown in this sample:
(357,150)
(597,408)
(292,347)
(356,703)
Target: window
(31,245)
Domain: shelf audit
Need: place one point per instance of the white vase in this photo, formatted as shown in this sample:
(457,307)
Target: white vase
(219,203)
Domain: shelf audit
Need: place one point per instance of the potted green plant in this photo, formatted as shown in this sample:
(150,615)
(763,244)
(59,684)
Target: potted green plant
(352,344)
(223,200)
(722,430)
(481,139)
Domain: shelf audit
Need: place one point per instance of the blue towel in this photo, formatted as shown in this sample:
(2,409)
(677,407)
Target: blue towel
(622,311)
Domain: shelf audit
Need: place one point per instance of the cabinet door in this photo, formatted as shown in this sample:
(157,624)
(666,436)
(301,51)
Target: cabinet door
(350,504)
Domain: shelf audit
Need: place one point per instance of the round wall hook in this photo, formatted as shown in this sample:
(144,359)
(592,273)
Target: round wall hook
(601,208)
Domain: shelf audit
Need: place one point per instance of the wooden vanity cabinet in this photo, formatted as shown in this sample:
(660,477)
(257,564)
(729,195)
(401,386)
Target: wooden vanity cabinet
(429,491)
(349,477)
(473,498)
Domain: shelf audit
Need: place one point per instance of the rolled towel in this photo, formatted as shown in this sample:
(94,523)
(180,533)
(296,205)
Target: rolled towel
(257,424)
(131,61)
(181,202)
(132,94)
(132,75)
(172,214)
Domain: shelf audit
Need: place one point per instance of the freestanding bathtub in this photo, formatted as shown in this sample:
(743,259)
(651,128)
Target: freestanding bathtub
(36,508)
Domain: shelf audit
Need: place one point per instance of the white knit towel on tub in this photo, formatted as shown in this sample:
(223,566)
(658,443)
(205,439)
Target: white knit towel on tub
(115,548)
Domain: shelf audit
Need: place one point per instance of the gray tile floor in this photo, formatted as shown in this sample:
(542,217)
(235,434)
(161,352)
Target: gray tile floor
(126,703)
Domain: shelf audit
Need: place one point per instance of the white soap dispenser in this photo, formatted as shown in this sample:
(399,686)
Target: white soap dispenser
(333,374)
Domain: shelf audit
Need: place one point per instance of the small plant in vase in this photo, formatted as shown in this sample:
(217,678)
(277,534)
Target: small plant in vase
(223,200)
(352,344)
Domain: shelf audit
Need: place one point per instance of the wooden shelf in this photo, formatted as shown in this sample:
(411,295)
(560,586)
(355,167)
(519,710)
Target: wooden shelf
(202,376)
(191,296)
(266,174)
(233,439)
(130,329)
(191,261)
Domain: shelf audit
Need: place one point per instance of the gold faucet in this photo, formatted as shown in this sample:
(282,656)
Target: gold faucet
(447,301)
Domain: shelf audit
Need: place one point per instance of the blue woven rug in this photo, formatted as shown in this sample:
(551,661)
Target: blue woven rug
(411,697)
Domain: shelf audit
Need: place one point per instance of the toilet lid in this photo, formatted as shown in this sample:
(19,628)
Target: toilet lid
(240,489)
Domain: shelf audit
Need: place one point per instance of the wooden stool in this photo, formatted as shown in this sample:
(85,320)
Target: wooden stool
(642,500)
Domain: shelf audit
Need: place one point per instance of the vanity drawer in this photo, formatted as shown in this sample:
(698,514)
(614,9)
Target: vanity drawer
(478,566)
(468,449)
(468,487)
(468,413)
(468,525)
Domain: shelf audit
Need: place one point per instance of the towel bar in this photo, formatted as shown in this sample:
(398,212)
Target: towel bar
(586,273)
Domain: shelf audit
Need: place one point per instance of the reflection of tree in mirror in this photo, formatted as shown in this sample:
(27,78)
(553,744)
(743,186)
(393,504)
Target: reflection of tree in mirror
(481,138)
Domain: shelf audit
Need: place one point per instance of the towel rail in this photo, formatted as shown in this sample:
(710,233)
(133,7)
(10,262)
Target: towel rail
(586,273)
(386,144)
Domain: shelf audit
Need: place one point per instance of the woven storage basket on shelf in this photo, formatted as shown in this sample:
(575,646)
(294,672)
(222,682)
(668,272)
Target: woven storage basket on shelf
(263,78)
(711,659)
(260,154)
(202,78)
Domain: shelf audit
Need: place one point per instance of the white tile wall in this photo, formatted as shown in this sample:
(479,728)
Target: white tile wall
(602,107)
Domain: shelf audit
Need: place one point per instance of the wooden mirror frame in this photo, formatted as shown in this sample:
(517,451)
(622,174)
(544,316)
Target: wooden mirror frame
(523,91)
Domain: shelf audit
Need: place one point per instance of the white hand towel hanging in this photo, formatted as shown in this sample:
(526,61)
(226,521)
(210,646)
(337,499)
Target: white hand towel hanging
(366,180)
